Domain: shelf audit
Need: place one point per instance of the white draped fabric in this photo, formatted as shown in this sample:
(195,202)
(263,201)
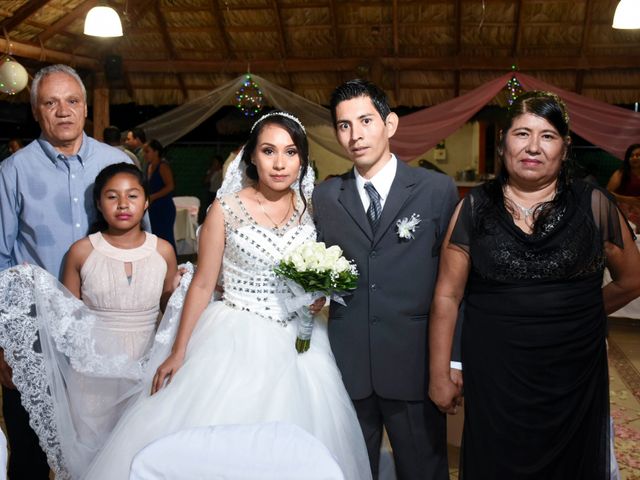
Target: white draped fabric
(174,124)
(609,127)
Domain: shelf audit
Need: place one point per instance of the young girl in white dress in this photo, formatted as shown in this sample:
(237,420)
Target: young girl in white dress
(234,361)
(76,366)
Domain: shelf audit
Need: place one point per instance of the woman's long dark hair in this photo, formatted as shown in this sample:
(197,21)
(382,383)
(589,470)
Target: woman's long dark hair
(298,136)
(550,107)
(106,174)
(626,164)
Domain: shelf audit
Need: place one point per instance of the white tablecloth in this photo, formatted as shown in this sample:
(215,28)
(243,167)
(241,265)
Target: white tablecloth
(184,231)
(631,310)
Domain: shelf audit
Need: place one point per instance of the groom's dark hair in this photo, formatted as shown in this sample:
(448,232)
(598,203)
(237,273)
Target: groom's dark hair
(360,88)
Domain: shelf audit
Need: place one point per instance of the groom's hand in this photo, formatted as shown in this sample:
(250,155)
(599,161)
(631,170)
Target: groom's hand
(445,394)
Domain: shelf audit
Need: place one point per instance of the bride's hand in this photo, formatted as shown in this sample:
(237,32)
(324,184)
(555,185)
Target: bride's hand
(167,371)
(316,306)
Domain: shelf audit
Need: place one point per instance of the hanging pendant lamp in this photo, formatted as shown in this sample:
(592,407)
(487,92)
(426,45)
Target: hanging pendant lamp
(627,15)
(102,21)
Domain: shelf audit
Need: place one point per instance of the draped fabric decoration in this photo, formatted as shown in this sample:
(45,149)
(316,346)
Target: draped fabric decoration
(611,128)
(170,126)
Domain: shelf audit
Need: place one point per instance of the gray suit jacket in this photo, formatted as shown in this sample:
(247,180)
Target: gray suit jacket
(380,338)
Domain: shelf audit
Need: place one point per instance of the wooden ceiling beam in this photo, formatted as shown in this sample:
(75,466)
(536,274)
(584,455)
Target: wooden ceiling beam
(458,45)
(282,39)
(66,20)
(36,52)
(222,31)
(21,14)
(517,34)
(586,27)
(396,48)
(162,24)
(334,28)
(533,63)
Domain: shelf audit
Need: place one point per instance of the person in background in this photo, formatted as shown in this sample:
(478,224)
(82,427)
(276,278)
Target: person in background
(14,144)
(111,136)
(162,210)
(527,252)
(44,208)
(134,141)
(624,184)
(213,180)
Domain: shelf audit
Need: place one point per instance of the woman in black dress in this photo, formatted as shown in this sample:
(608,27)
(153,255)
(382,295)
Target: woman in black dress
(162,210)
(527,252)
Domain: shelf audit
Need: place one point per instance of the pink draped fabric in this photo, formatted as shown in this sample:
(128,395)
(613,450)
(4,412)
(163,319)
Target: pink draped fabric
(611,128)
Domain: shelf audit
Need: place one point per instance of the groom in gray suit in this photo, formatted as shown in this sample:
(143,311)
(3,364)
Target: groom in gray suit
(390,218)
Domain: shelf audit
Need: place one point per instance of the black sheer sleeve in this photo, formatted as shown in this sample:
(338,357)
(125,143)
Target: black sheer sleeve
(605,214)
(461,234)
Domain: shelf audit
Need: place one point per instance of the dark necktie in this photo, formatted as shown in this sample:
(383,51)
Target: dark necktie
(375,209)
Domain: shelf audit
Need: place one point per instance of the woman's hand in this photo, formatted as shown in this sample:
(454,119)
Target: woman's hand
(316,306)
(445,394)
(167,371)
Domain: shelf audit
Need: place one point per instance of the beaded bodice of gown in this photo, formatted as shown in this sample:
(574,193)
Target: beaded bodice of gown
(108,291)
(251,253)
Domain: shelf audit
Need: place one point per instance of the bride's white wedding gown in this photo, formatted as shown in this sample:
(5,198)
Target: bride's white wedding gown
(241,366)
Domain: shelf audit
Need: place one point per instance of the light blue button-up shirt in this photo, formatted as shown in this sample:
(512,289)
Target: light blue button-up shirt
(46,201)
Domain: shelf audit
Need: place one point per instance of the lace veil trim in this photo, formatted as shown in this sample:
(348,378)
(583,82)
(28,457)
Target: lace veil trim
(48,339)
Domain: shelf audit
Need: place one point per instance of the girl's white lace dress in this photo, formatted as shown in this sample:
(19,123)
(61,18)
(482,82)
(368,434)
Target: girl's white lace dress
(241,365)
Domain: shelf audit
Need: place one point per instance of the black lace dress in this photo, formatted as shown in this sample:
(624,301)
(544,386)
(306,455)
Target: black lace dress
(533,341)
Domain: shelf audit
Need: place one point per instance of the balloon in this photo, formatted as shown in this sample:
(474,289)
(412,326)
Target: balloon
(13,76)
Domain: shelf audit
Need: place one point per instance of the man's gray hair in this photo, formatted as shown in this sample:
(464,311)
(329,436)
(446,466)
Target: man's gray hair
(59,68)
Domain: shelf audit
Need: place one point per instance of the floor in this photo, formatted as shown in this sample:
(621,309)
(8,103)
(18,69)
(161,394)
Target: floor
(624,362)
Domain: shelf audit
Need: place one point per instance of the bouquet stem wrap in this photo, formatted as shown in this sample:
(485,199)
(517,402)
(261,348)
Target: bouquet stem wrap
(299,304)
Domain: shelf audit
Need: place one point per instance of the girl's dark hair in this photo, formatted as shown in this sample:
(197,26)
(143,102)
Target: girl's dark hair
(626,164)
(156,146)
(550,107)
(106,174)
(298,136)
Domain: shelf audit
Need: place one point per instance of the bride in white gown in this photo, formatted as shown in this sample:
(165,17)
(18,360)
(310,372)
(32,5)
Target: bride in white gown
(234,361)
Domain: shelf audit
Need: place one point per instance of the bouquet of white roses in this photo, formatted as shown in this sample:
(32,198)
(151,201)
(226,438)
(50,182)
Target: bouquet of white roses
(312,270)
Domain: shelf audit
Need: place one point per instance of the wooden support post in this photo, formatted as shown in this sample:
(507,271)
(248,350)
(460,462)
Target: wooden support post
(100,104)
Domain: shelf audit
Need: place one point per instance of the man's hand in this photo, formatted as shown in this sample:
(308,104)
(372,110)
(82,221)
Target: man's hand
(6,374)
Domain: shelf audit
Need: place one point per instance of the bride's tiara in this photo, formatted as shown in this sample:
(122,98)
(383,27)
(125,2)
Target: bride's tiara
(280,114)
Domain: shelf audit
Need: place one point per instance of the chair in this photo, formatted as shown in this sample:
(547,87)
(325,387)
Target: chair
(3,456)
(184,228)
(275,451)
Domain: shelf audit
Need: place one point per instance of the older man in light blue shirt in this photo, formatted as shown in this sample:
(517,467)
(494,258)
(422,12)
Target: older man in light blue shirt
(46,201)
(46,205)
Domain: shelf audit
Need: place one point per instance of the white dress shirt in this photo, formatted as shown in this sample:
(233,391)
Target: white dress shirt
(381,181)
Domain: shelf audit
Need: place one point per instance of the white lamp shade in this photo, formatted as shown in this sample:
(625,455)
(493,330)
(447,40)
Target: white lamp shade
(13,76)
(627,15)
(102,22)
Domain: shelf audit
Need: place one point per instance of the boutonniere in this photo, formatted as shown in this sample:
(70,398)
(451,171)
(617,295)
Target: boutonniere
(406,226)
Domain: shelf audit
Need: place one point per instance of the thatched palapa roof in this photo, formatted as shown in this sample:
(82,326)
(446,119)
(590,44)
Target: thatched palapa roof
(421,52)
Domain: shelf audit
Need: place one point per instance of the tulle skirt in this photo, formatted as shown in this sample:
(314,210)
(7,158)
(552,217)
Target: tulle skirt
(243,369)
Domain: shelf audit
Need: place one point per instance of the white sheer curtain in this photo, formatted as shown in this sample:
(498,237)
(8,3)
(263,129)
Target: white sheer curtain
(169,127)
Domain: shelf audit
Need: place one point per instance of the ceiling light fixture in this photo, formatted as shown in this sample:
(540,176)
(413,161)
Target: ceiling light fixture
(102,21)
(627,15)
